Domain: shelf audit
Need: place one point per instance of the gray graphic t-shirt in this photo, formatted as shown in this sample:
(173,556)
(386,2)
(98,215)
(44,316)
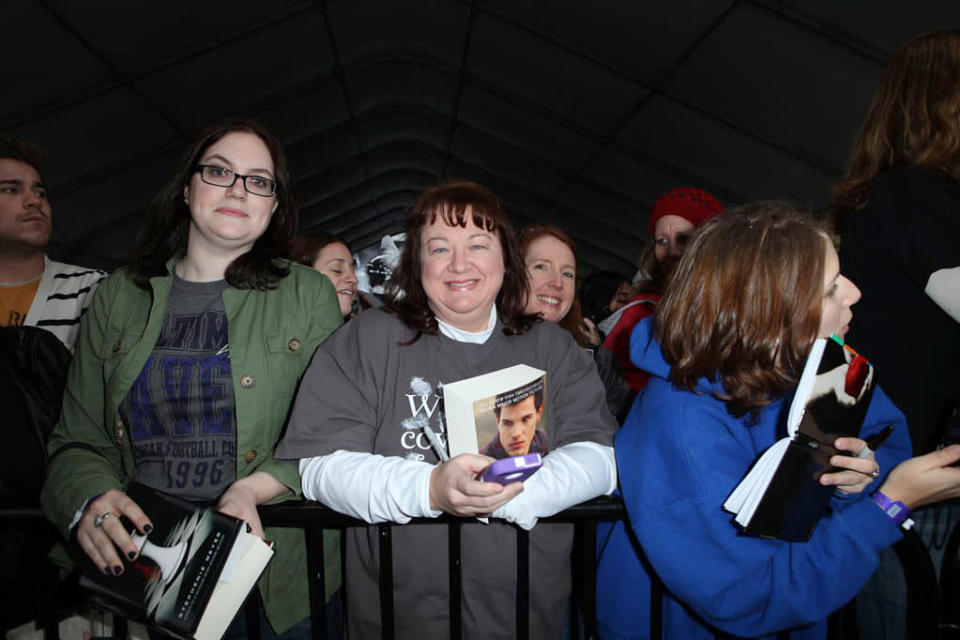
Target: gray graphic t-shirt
(181,409)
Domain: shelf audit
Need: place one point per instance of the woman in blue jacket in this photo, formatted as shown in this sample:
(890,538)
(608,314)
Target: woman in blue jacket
(752,293)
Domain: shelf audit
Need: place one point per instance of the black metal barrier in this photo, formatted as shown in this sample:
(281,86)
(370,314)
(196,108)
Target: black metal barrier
(314,518)
(926,617)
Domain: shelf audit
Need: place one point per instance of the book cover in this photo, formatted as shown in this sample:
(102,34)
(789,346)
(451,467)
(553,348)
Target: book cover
(499,414)
(193,572)
(782,496)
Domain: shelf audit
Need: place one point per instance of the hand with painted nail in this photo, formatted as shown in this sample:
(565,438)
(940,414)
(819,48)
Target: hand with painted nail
(103,537)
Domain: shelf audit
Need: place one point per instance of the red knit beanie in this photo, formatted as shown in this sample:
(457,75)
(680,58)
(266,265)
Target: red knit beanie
(690,203)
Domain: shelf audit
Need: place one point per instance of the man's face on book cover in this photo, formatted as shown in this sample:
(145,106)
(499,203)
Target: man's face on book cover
(517,424)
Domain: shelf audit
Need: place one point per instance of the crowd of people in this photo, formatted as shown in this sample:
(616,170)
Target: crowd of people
(230,332)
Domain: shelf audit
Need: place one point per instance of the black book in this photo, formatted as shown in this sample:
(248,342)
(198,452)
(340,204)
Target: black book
(781,497)
(193,572)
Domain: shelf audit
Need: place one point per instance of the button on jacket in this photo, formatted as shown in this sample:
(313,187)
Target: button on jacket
(90,450)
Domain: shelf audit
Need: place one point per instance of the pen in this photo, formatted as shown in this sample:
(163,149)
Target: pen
(874,441)
(434,439)
(843,344)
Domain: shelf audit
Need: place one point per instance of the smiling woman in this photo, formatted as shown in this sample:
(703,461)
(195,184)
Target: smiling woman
(457,311)
(331,256)
(201,342)
(461,269)
(551,262)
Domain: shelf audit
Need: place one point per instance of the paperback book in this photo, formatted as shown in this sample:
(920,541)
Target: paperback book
(193,571)
(499,414)
(781,497)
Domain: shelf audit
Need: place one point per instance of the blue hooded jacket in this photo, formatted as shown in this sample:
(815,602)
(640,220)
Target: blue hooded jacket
(679,456)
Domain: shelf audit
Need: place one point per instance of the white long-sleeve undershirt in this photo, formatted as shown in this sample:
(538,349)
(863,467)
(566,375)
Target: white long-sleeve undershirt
(369,486)
(377,488)
(570,474)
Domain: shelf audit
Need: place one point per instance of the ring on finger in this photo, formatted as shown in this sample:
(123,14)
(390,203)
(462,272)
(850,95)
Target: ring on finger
(876,472)
(99,519)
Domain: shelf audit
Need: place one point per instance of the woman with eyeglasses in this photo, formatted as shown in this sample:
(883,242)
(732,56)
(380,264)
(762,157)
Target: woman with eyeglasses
(188,359)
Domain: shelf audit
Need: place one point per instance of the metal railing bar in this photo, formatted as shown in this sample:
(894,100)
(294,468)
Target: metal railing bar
(305,514)
(344,600)
(523,584)
(950,585)
(456,601)
(20,516)
(923,605)
(316,583)
(385,533)
(251,615)
(575,611)
(588,577)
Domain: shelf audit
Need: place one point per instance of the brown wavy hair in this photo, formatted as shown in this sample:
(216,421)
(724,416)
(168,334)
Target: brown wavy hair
(743,306)
(458,203)
(573,319)
(913,118)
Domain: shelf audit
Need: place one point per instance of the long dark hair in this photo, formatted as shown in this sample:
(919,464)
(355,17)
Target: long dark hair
(573,320)
(165,227)
(913,118)
(744,304)
(451,201)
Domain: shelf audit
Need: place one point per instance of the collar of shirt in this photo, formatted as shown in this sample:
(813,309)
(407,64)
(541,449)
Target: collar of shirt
(478,337)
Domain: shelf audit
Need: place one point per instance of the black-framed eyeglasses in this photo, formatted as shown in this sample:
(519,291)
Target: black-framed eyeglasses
(223,177)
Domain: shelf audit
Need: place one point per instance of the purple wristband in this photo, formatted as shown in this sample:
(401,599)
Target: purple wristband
(895,510)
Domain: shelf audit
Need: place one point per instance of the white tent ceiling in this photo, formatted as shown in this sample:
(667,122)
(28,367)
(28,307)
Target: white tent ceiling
(574,113)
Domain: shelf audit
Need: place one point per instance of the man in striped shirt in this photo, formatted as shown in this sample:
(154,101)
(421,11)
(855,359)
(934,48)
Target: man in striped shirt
(35,290)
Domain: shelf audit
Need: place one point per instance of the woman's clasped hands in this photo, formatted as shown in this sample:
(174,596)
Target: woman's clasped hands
(455,489)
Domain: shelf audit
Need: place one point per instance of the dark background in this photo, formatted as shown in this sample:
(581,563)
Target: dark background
(575,113)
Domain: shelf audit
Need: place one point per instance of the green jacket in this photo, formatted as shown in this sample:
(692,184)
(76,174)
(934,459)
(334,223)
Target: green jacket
(272,335)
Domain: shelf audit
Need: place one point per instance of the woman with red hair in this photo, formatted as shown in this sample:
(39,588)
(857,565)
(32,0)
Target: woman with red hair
(550,256)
